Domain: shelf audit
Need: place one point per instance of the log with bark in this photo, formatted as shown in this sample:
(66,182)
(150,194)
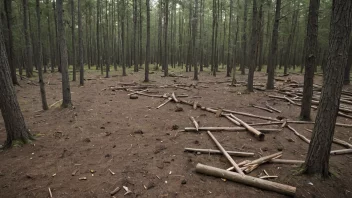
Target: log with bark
(247,180)
(211,151)
(260,136)
(233,163)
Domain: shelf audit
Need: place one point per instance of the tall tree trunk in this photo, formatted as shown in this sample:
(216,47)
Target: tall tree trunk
(73,26)
(123,39)
(244,39)
(135,35)
(51,48)
(66,91)
(261,37)
(99,65)
(194,35)
(40,72)
(147,50)
(11,55)
(140,35)
(317,160)
(16,129)
(29,54)
(311,54)
(346,80)
(273,50)
(80,45)
(229,62)
(166,66)
(254,40)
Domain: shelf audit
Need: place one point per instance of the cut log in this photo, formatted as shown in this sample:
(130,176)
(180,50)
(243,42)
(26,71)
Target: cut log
(272,108)
(340,152)
(285,161)
(164,103)
(264,159)
(266,123)
(154,96)
(233,120)
(298,134)
(211,151)
(228,129)
(250,115)
(233,163)
(247,180)
(268,177)
(194,122)
(263,108)
(174,97)
(260,136)
(117,189)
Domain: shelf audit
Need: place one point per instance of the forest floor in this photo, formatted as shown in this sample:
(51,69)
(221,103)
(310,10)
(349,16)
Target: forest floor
(107,130)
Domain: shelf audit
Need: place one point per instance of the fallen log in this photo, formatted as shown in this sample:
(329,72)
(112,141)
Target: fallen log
(247,180)
(263,108)
(260,136)
(233,163)
(211,151)
(194,122)
(164,103)
(228,129)
(298,134)
(285,161)
(174,97)
(284,98)
(272,108)
(249,115)
(266,123)
(340,152)
(264,159)
(233,120)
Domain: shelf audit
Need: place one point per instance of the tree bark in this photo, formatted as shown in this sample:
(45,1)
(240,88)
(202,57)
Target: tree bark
(66,91)
(80,45)
(29,53)
(311,54)
(166,66)
(244,39)
(317,160)
(254,39)
(73,26)
(147,50)
(347,80)
(16,129)
(194,36)
(273,51)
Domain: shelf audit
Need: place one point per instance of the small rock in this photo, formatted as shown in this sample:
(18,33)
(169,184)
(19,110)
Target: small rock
(290,140)
(183,182)
(86,140)
(178,109)
(175,127)
(114,146)
(133,96)
(280,148)
(138,132)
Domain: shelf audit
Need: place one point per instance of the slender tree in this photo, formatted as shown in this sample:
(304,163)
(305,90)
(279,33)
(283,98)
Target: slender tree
(16,129)
(166,12)
(29,54)
(147,50)
(66,91)
(40,72)
(194,36)
(317,160)
(244,39)
(310,57)
(73,26)
(80,45)
(254,48)
(274,47)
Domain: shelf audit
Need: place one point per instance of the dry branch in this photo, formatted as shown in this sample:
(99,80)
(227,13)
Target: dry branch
(233,120)
(164,103)
(211,151)
(272,108)
(194,122)
(298,134)
(228,129)
(263,108)
(338,141)
(340,152)
(247,180)
(250,115)
(285,161)
(174,97)
(260,136)
(233,163)
(266,123)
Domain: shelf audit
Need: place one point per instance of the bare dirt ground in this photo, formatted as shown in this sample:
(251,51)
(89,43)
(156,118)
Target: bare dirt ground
(103,132)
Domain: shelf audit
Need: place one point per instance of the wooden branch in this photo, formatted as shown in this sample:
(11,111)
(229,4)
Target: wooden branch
(285,161)
(272,108)
(136,92)
(164,103)
(211,151)
(233,163)
(340,152)
(228,129)
(284,98)
(154,96)
(260,136)
(247,180)
(50,193)
(266,123)
(54,103)
(250,115)
(264,159)
(194,122)
(298,134)
(174,97)
(268,177)
(344,115)
(263,108)
(233,120)
(117,189)
(195,104)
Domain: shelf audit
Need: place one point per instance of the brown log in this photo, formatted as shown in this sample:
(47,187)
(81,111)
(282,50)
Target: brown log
(260,136)
(272,108)
(233,163)
(266,123)
(285,161)
(233,120)
(263,108)
(211,151)
(298,134)
(340,152)
(250,115)
(174,97)
(194,122)
(164,103)
(247,180)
